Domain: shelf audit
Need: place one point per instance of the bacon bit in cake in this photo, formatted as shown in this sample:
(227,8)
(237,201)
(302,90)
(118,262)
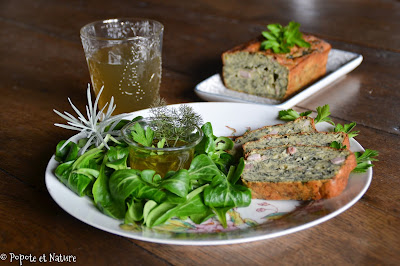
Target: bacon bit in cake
(338,160)
(274,132)
(300,168)
(291,150)
(248,166)
(254,157)
(245,74)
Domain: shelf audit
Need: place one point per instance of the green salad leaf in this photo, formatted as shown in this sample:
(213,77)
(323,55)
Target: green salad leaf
(135,211)
(79,175)
(65,153)
(178,184)
(207,189)
(193,205)
(103,199)
(235,172)
(128,183)
(221,193)
(117,157)
(215,148)
(203,168)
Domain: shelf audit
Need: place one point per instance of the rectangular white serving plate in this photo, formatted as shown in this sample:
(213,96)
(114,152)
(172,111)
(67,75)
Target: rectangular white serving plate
(339,64)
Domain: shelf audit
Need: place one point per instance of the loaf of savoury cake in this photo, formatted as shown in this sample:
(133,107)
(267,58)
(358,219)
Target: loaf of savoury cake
(297,172)
(264,73)
(303,138)
(301,124)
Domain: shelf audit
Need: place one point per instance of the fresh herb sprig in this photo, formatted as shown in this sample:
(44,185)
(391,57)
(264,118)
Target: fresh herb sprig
(347,128)
(142,136)
(337,145)
(363,159)
(290,114)
(97,125)
(323,114)
(168,124)
(280,39)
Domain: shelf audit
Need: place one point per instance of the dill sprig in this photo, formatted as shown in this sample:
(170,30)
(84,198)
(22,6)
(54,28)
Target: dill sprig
(173,123)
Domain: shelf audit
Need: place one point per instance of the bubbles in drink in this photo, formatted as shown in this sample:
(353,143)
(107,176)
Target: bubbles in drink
(130,73)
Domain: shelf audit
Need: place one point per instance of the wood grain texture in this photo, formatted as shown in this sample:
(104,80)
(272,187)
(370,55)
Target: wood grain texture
(42,64)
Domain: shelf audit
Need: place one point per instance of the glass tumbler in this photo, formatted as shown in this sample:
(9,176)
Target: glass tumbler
(124,58)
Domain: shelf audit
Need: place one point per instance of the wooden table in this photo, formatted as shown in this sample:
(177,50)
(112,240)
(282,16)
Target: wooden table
(42,63)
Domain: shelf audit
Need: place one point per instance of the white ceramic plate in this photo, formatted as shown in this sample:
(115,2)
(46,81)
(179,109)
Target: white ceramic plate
(339,64)
(261,220)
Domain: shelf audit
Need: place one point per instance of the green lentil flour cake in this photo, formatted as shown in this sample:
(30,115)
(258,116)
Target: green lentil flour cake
(294,161)
(297,172)
(248,69)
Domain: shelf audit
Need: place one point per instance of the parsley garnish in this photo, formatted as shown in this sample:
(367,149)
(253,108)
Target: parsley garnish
(323,115)
(141,136)
(290,114)
(346,128)
(337,145)
(363,159)
(280,39)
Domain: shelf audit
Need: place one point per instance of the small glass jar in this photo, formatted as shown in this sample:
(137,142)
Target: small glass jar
(178,155)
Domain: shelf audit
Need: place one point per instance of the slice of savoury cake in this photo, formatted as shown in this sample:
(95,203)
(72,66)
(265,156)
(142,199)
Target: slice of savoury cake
(297,172)
(301,124)
(303,138)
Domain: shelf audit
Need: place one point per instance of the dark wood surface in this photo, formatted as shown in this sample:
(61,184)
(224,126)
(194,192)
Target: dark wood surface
(42,63)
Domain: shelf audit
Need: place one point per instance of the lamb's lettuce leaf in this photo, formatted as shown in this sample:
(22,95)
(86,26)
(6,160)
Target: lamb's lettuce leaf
(103,198)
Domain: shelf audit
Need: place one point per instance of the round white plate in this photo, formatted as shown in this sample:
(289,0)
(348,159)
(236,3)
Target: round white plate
(261,220)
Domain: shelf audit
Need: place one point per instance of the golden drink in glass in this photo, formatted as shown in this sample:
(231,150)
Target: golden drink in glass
(124,57)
